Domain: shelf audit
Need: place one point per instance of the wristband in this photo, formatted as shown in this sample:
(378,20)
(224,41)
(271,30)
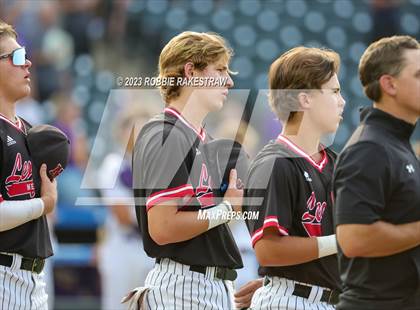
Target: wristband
(218,215)
(327,245)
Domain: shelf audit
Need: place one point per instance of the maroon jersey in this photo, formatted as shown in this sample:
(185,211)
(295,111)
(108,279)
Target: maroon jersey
(20,181)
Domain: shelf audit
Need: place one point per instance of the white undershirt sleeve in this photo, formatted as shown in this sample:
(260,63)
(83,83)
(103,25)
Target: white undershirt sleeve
(14,213)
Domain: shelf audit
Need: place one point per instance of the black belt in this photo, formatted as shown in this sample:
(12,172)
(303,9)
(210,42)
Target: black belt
(31,264)
(222,273)
(328,296)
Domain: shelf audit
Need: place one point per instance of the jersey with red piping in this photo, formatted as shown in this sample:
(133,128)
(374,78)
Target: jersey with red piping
(19,180)
(169,164)
(292,193)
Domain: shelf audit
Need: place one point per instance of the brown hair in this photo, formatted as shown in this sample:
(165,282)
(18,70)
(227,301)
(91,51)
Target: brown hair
(6,30)
(201,49)
(301,68)
(384,56)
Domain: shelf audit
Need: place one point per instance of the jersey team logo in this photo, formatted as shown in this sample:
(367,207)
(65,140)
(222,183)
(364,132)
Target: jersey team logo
(311,219)
(204,192)
(10,141)
(20,182)
(410,168)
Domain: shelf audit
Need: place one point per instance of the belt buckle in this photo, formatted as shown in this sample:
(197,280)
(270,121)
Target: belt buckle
(37,265)
(331,298)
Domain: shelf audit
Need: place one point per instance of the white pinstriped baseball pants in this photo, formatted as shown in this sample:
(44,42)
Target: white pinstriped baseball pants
(21,289)
(278,295)
(173,286)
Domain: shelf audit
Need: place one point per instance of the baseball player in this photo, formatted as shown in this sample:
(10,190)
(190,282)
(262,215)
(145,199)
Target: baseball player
(24,236)
(289,183)
(195,258)
(377,182)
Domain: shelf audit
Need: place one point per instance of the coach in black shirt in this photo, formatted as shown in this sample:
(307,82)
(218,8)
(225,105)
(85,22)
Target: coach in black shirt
(377,185)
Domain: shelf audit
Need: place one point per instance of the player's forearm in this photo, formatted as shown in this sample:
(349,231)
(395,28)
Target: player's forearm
(286,250)
(168,225)
(185,226)
(18,212)
(378,239)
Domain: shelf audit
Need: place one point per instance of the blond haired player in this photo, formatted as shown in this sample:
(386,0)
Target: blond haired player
(26,196)
(195,258)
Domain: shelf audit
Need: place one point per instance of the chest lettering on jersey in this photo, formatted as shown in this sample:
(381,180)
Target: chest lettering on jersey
(20,182)
(311,219)
(204,192)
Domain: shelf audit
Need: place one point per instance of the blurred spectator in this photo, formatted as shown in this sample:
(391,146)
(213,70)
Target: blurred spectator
(55,52)
(386,18)
(68,119)
(77,16)
(25,18)
(56,45)
(30,110)
(121,260)
(115,12)
(47,44)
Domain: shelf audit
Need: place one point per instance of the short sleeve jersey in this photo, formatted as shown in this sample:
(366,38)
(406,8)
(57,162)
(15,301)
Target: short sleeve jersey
(169,163)
(292,193)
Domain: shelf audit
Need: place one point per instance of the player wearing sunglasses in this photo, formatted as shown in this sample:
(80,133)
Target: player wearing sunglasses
(18,56)
(26,195)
